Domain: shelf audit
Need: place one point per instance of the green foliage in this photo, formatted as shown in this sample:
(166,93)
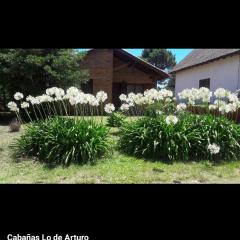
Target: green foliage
(187,140)
(116,119)
(64,141)
(162,58)
(30,71)
(159,108)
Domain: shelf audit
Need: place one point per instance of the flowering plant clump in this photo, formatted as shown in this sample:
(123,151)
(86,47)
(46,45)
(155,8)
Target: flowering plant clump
(166,128)
(222,100)
(188,140)
(54,137)
(192,96)
(146,103)
(64,141)
(56,102)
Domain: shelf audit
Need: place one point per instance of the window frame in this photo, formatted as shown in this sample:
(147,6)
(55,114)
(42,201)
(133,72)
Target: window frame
(205,79)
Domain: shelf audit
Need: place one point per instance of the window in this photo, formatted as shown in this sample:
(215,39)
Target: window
(204,83)
(135,88)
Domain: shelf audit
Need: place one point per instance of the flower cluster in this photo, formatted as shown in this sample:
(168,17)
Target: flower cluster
(221,93)
(171,120)
(193,95)
(25,105)
(109,108)
(225,101)
(213,149)
(181,107)
(13,107)
(147,98)
(18,96)
(56,101)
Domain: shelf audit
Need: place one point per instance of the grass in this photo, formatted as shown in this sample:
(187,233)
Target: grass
(118,168)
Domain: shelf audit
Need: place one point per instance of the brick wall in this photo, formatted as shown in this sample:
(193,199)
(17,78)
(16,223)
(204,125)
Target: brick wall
(99,62)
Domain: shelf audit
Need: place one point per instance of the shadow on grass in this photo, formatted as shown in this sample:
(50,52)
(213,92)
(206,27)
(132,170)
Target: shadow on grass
(19,158)
(207,162)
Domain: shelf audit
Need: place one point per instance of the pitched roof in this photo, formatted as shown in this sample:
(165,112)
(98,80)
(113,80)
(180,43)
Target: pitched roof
(201,56)
(146,66)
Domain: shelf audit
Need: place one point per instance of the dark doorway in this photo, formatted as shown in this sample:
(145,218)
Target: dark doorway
(87,87)
(117,90)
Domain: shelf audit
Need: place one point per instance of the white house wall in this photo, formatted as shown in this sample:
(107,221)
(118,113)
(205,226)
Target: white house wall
(222,73)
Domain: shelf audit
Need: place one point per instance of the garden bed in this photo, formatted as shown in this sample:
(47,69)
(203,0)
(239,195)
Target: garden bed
(165,134)
(118,168)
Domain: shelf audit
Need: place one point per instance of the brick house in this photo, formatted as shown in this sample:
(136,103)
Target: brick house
(116,71)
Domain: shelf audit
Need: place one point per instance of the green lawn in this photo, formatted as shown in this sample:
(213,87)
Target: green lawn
(117,168)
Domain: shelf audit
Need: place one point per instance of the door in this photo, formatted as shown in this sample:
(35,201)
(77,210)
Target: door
(117,90)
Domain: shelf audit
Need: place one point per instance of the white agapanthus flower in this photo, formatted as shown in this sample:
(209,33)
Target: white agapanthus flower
(171,120)
(124,107)
(109,108)
(212,107)
(50,91)
(25,105)
(166,93)
(233,98)
(221,93)
(228,108)
(18,96)
(94,103)
(73,101)
(101,96)
(55,91)
(192,95)
(30,99)
(181,107)
(72,92)
(205,95)
(60,92)
(13,107)
(88,98)
(43,99)
(123,97)
(219,102)
(35,101)
(213,149)
(80,98)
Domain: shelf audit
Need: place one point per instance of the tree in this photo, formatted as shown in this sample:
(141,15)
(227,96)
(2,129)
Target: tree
(161,58)
(31,71)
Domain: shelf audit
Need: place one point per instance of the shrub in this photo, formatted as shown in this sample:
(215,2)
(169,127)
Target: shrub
(14,126)
(189,138)
(64,141)
(116,119)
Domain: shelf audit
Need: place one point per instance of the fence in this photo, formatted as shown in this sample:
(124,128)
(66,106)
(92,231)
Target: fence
(234,116)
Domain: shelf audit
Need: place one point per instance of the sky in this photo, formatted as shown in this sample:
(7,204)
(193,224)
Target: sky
(180,53)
